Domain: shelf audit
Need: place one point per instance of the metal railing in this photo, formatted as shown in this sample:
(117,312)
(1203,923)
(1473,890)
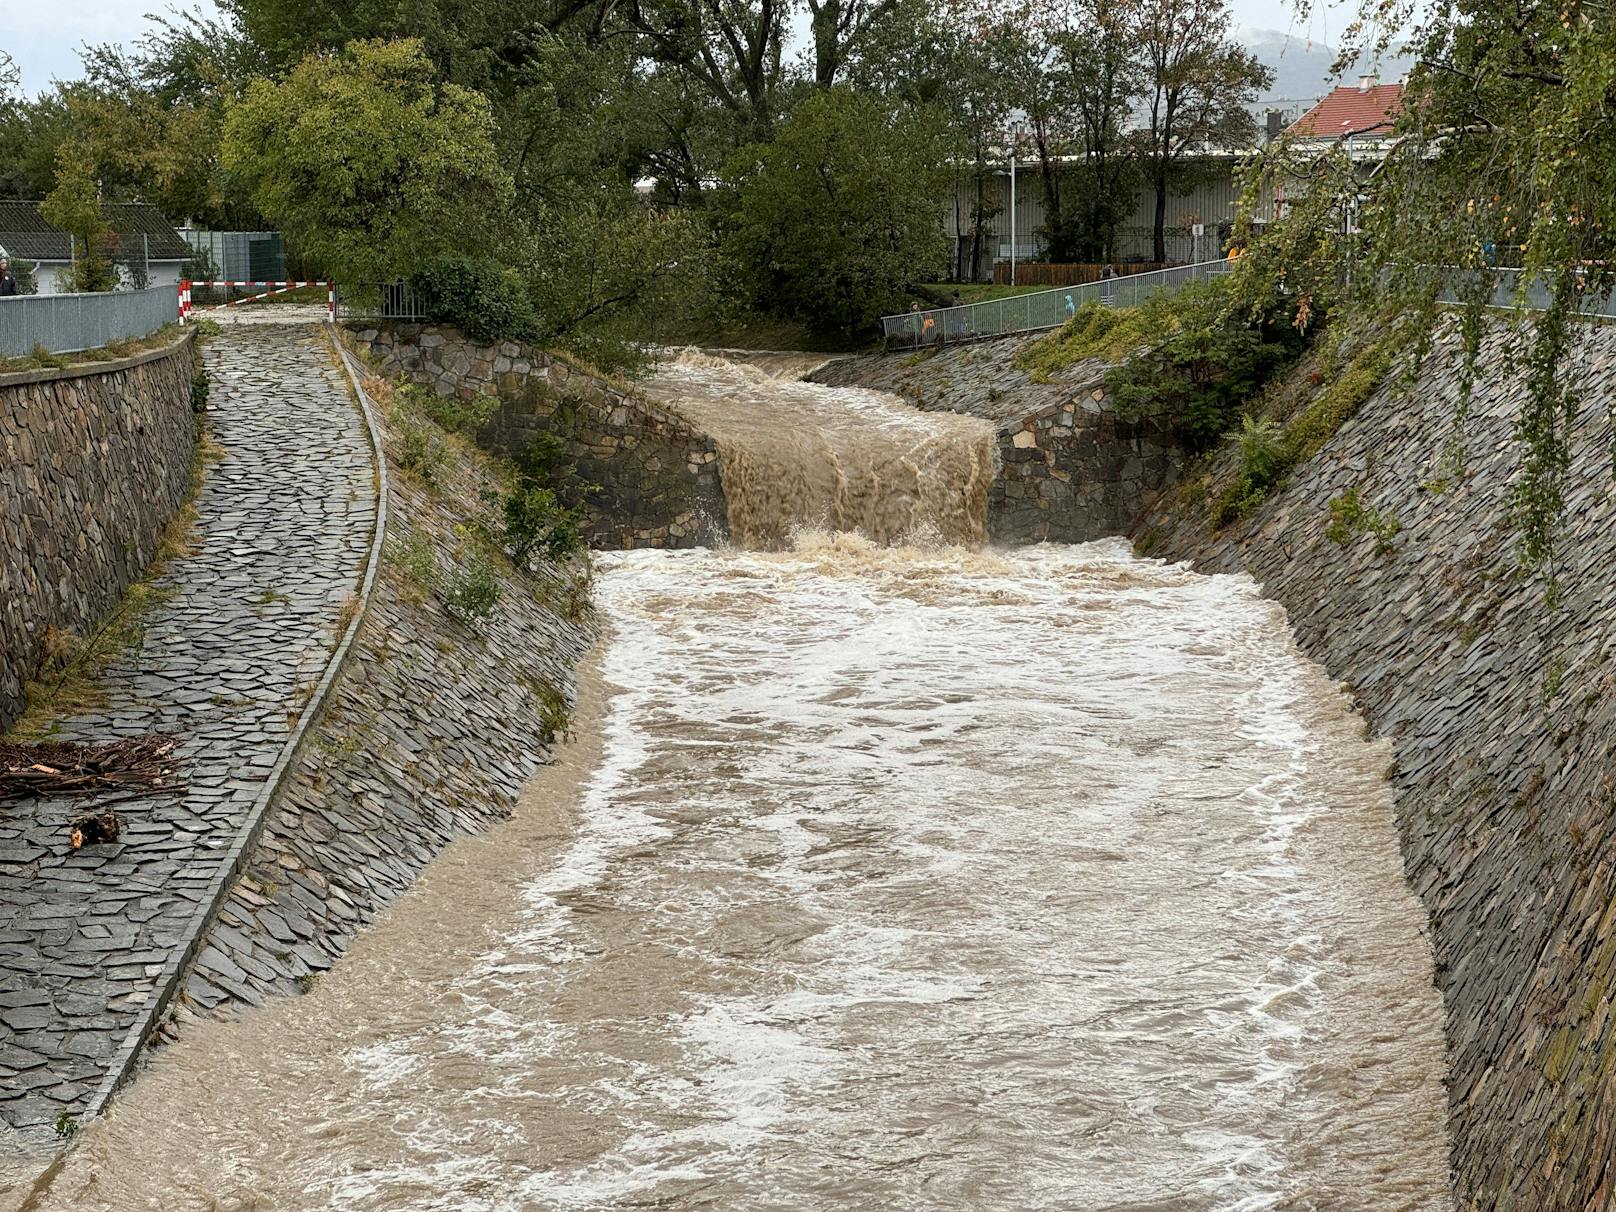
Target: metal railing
(388,301)
(76,322)
(1035,310)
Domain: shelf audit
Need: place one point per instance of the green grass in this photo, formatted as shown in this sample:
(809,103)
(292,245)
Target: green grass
(1096,331)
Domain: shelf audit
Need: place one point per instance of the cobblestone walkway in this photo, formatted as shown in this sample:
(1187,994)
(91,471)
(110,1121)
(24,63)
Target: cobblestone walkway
(285,521)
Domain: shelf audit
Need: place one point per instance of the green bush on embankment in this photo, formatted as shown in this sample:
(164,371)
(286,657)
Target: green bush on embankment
(1268,451)
(479,296)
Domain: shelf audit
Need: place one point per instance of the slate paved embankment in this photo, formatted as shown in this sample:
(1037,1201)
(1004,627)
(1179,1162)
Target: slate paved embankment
(226,663)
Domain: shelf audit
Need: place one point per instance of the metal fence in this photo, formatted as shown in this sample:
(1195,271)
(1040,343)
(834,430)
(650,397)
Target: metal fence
(71,323)
(390,301)
(1035,310)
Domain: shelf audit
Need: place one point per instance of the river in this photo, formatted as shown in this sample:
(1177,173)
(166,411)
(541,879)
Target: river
(907,876)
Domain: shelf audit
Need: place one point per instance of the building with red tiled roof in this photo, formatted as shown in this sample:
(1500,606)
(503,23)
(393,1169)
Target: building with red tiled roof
(1365,110)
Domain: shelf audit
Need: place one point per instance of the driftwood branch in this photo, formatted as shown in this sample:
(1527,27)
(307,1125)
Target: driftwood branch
(66,768)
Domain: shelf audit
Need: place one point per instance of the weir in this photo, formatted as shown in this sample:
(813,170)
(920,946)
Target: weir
(796,456)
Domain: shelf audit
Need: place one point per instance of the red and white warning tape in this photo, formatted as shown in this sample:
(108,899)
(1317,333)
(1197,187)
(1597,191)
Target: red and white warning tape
(276,288)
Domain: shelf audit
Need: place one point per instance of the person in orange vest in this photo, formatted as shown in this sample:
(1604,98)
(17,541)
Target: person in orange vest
(1236,247)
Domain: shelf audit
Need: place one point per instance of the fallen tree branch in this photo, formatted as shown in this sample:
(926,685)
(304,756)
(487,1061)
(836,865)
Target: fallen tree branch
(67,768)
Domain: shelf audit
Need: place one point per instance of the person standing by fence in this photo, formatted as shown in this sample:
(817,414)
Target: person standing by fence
(8,283)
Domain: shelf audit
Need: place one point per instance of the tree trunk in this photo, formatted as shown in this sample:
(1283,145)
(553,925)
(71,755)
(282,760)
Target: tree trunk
(978,222)
(1159,247)
(827,47)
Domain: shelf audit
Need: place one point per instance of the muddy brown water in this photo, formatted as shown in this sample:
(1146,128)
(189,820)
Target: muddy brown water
(798,456)
(877,876)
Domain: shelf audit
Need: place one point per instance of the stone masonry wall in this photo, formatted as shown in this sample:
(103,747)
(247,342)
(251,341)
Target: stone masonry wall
(1502,710)
(658,473)
(1069,469)
(94,462)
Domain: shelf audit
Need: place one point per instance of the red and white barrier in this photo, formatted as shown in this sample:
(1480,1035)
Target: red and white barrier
(276,288)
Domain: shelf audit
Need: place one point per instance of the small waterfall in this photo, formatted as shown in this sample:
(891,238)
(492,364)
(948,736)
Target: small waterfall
(796,456)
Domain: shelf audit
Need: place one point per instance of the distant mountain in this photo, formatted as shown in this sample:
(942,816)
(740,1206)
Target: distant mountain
(1302,70)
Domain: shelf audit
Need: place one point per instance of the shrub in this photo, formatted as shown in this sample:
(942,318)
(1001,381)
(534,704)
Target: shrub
(1204,356)
(479,296)
(546,461)
(1268,452)
(470,590)
(412,553)
(537,524)
(543,510)
(464,417)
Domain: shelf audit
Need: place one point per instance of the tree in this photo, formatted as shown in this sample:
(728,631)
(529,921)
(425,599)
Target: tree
(838,27)
(731,48)
(1037,83)
(74,205)
(1500,176)
(921,57)
(1099,51)
(369,166)
(838,216)
(1198,85)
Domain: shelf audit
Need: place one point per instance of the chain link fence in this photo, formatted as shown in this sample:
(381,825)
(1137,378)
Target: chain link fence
(1035,310)
(73,323)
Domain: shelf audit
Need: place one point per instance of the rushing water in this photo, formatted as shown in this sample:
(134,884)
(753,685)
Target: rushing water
(797,455)
(892,878)
(879,876)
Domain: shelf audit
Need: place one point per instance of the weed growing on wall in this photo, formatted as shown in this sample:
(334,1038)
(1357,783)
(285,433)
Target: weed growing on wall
(419,449)
(201,383)
(412,555)
(1350,517)
(469,590)
(451,413)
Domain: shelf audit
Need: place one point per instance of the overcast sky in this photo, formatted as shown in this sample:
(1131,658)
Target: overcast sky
(44,36)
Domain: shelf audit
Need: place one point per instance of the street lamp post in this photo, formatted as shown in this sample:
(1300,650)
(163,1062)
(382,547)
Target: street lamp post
(1015,144)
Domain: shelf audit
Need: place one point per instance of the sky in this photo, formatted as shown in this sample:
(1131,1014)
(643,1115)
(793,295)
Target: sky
(44,36)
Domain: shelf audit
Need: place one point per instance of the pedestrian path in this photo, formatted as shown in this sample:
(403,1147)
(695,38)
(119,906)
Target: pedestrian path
(226,663)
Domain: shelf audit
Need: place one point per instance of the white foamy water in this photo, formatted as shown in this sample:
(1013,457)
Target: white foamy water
(890,878)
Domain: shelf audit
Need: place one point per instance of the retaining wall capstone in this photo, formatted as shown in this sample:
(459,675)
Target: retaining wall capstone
(1502,708)
(1070,469)
(658,474)
(95,460)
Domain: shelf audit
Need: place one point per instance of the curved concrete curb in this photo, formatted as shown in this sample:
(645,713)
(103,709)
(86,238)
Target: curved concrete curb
(179,962)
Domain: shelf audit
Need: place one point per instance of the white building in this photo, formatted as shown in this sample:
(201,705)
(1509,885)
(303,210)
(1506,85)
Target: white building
(145,245)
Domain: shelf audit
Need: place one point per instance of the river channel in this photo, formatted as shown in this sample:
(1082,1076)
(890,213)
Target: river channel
(878,875)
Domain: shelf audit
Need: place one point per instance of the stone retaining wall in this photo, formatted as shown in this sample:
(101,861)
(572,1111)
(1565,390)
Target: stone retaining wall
(658,474)
(1069,469)
(1502,709)
(94,462)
